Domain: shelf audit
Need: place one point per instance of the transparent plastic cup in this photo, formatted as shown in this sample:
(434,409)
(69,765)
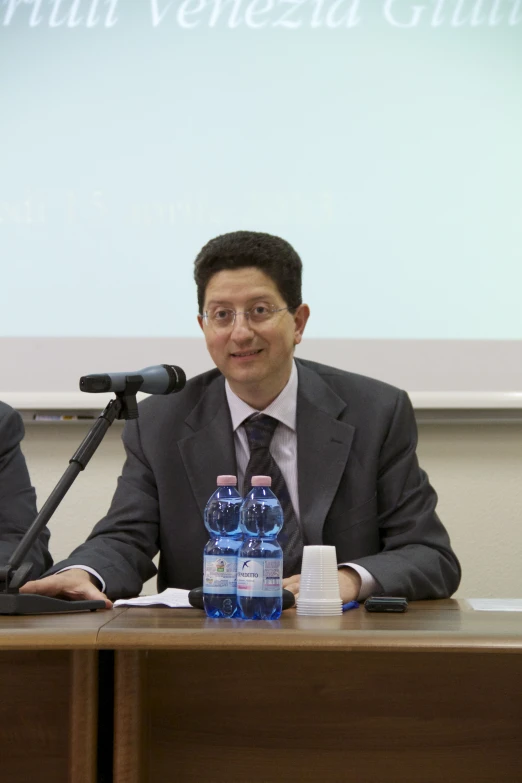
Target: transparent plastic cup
(319,585)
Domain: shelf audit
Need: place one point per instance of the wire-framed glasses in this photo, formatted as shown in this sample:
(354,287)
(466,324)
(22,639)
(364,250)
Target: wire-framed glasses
(222,318)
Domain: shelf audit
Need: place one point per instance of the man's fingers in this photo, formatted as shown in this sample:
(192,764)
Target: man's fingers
(291,583)
(49,585)
(89,593)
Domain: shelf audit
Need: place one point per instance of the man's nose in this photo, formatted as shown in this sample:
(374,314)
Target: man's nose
(241,328)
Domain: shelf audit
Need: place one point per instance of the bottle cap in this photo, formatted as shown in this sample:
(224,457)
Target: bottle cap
(226,481)
(261,481)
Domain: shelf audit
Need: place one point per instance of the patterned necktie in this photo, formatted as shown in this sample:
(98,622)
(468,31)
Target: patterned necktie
(260,430)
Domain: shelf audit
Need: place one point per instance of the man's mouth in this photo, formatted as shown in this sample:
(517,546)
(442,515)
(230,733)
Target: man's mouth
(241,354)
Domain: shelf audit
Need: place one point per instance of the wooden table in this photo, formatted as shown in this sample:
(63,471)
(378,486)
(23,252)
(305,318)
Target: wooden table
(432,695)
(49,697)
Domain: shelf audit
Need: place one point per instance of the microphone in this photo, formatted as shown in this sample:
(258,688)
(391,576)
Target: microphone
(158,379)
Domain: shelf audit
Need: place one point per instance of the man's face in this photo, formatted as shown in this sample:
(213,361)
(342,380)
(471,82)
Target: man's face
(252,356)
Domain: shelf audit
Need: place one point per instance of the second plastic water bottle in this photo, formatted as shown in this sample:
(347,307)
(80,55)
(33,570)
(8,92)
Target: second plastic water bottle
(260,557)
(220,554)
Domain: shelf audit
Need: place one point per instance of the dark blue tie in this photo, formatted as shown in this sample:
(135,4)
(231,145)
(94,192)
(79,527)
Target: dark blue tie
(260,430)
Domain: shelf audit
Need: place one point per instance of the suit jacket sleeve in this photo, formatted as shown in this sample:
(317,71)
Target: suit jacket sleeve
(122,545)
(416,559)
(17,496)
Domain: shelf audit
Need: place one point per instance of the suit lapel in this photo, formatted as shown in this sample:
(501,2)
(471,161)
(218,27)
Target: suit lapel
(209,451)
(323,446)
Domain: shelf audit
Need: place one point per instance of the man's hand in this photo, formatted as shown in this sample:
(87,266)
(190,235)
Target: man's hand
(292,583)
(349,584)
(75,584)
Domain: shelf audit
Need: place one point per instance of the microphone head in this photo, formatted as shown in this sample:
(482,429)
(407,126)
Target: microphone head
(177,378)
(95,384)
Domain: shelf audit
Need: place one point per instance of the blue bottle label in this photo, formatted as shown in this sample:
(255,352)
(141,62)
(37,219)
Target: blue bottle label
(220,574)
(259,577)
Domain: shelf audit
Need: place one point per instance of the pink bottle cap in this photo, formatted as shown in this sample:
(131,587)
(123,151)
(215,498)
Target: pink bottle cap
(261,481)
(226,481)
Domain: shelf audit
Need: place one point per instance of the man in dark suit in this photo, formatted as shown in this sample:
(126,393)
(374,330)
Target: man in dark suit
(344,446)
(17,496)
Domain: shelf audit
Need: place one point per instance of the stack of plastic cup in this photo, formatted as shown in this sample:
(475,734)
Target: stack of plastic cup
(319,586)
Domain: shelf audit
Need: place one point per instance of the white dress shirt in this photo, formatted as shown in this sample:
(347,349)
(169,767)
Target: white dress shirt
(283,449)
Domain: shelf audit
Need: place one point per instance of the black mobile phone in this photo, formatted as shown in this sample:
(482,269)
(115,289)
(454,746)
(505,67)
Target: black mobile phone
(386,603)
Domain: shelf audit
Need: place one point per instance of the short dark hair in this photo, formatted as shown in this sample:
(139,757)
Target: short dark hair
(274,256)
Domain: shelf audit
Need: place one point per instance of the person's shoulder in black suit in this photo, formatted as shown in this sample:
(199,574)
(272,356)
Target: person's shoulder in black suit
(17,495)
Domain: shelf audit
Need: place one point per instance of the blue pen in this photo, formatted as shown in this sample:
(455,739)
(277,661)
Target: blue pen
(350,605)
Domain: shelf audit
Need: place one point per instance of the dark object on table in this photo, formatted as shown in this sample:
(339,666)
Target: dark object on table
(386,603)
(195,598)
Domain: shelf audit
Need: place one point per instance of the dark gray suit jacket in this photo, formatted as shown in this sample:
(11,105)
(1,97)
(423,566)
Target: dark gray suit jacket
(360,486)
(17,496)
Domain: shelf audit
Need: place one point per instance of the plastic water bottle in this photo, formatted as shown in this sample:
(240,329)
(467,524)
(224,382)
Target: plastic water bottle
(260,557)
(220,554)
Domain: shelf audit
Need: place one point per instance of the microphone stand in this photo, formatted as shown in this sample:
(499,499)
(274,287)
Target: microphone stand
(15,573)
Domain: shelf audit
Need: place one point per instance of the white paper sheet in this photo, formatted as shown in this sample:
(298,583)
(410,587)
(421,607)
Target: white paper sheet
(496,604)
(172,597)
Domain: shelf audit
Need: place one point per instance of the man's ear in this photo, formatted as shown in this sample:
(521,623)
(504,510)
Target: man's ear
(301,316)
(200,322)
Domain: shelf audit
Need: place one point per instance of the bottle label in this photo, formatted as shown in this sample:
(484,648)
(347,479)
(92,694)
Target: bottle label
(220,574)
(259,577)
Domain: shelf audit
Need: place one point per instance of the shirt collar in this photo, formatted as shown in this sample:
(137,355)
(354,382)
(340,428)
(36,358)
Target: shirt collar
(283,408)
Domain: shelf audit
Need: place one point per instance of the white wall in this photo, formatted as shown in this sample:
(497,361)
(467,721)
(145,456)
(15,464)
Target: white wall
(476,469)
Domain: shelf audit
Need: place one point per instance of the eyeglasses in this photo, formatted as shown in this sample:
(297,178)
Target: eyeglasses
(222,318)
